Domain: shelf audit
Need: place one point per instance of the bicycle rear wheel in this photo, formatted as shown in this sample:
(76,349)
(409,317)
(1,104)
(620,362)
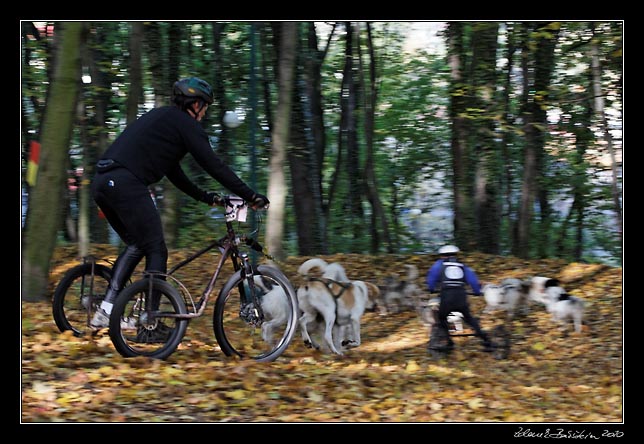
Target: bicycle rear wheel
(141,322)
(440,344)
(78,294)
(244,330)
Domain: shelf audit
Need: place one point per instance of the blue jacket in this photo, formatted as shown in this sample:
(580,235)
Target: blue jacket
(434,275)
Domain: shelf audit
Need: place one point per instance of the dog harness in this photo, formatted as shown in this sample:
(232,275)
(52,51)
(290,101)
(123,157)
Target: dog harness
(328,284)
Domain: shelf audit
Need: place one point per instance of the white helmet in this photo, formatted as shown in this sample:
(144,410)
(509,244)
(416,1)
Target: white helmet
(448,249)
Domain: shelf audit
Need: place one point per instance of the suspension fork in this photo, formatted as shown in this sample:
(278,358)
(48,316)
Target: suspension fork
(248,275)
(251,308)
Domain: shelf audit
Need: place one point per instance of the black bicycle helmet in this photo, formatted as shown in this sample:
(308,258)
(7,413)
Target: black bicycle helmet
(193,87)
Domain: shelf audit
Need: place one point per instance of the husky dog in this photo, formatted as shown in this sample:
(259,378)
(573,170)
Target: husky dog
(399,294)
(339,301)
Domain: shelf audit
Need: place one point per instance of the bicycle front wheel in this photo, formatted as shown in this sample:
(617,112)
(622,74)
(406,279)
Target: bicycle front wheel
(260,333)
(78,294)
(142,321)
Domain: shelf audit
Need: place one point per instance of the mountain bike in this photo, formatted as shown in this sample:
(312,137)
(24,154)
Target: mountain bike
(255,314)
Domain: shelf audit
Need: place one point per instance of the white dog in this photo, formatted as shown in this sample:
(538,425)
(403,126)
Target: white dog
(563,306)
(333,271)
(274,306)
(340,302)
(509,296)
(536,288)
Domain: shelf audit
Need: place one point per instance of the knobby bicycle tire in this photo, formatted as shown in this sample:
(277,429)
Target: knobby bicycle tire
(155,336)
(77,296)
(238,333)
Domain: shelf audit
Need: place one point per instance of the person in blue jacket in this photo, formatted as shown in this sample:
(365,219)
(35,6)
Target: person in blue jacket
(452,277)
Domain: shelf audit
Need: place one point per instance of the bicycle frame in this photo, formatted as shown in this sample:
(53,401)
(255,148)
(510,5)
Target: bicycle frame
(228,247)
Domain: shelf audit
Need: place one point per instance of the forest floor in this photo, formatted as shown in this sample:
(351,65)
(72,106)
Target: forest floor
(549,377)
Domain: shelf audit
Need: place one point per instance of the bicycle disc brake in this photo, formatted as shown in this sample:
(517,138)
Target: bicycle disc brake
(250,315)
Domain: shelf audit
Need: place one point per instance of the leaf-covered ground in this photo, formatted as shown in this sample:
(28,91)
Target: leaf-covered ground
(390,378)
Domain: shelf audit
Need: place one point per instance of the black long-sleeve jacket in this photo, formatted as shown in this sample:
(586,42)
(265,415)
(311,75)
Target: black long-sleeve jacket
(152,147)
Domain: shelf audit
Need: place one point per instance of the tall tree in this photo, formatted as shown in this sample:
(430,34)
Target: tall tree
(277,188)
(39,239)
(507,130)
(601,116)
(483,106)
(102,49)
(313,66)
(370,95)
(540,40)
(171,205)
(135,93)
(153,38)
(299,154)
(219,90)
(464,230)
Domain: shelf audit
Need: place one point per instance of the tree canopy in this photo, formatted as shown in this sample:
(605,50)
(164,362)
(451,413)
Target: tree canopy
(504,137)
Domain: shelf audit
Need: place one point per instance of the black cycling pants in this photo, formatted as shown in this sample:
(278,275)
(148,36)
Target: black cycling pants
(455,299)
(130,210)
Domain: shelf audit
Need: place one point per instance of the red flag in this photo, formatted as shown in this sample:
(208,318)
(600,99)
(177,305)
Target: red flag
(32,165)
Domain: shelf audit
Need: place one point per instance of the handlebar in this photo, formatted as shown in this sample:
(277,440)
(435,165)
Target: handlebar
(227,200)
(436,293)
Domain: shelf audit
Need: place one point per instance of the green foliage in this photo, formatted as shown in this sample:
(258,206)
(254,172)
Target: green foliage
(412,134)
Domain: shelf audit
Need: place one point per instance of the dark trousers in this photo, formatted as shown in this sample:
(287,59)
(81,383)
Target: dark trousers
(130,210)
(455,299)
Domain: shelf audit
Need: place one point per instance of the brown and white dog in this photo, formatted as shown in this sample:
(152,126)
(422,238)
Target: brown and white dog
(337,300)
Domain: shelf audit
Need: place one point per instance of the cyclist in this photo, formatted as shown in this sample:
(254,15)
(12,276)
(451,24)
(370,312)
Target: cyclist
(453,276)
(149,149)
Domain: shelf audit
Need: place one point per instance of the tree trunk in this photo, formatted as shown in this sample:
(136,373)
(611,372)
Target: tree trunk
(277,188)
(171,206)
(161,84)
(538,65)
(371,182)
(350,132)
(135,93)
(299,153)
(219,90)
(463,220)
(508,131)
(487,174)
(313,66)
(45,204)
(601,115)
(96,57)
(83,190)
